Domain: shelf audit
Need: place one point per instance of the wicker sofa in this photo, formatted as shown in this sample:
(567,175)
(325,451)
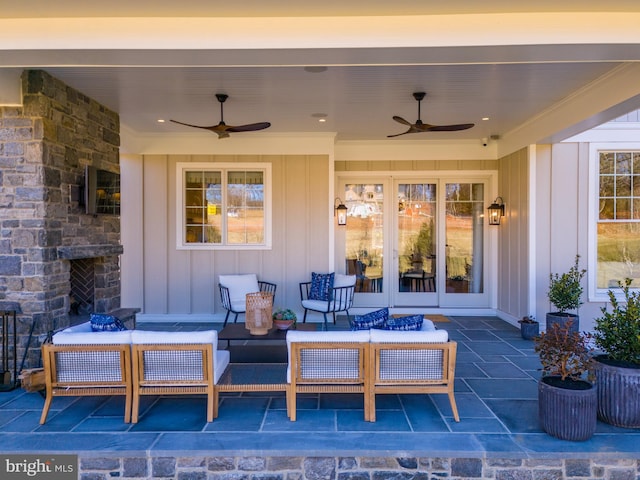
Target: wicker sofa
(132,363)
(371,362)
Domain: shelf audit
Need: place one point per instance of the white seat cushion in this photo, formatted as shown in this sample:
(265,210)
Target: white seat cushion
(239,286)
(322,306)
(92,338)
(150,337)
(394,336)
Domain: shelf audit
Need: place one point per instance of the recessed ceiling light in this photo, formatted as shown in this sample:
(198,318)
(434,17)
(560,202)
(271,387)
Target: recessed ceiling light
(322,120)
(316,69)
(485,118)
(161,120)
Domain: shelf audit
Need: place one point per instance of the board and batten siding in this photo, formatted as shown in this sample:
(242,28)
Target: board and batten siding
(166,282)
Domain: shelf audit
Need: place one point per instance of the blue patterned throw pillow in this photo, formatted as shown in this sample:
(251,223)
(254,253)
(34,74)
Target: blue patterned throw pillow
(101,322)
(321,286)
(369,320)
(410,322)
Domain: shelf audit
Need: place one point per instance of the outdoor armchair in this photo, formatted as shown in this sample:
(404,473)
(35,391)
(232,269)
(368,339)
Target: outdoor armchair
(234,289)
(335,298)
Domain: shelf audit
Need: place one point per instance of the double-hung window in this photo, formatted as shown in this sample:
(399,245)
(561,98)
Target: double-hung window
(617,218)
(223,206)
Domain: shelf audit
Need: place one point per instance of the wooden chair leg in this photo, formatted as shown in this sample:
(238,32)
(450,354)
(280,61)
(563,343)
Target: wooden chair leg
(45,409)
(454,407)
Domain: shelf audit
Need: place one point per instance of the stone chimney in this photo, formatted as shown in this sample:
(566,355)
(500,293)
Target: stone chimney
(44,148)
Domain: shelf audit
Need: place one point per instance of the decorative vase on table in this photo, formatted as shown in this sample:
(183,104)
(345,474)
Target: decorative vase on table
(284,319)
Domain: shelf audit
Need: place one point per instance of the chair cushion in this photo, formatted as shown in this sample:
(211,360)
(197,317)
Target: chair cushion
(322,306)
(390,336)
(321,286)
(92,338)
(410,322)
(344,280)
(101,322)
(375,319)
(239,286)
(149,337)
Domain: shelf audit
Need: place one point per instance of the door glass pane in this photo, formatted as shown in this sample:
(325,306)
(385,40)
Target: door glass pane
(464,233)
(364,236)
(416,237)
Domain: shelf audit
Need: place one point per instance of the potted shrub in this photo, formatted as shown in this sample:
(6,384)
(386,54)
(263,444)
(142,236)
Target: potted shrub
(617,333)
(284,319)
(529,327)
(565,294)
(567,398)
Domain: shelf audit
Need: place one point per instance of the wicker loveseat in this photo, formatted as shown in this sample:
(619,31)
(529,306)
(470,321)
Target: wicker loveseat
(132,363)
(371,362)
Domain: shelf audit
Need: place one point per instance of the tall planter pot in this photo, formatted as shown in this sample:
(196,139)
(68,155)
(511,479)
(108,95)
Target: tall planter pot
(618,393)
(567,413)
(561,319)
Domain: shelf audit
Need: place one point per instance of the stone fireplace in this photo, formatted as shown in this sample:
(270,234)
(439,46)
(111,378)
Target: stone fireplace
(45,145)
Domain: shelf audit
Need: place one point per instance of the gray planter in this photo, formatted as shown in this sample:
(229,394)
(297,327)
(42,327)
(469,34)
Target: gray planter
(529,330)
(618,393)
(561,319)
(567,413)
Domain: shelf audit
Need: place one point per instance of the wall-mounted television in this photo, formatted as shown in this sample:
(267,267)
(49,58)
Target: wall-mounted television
(101,192)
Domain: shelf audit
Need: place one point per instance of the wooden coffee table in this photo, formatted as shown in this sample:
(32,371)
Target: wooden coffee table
(269,348)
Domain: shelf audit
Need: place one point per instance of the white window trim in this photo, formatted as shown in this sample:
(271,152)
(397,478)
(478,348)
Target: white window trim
(182,167)
(598,294)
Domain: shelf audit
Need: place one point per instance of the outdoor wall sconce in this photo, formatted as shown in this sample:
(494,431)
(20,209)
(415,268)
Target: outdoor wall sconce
(341,209)
(496,211)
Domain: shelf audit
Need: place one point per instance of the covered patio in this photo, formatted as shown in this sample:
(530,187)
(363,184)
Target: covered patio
(498,435)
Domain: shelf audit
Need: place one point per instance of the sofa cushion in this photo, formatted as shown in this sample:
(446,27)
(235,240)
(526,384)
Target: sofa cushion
(239,286)
(321,286)
(149,337)
(375,319)
(409,322)
(92,338)
(101,322)
(390,336)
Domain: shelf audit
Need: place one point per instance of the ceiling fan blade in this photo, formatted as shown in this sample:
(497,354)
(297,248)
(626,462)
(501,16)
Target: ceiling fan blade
(401,120)
(212,127)
(403,133)
(449,128)
(251,127)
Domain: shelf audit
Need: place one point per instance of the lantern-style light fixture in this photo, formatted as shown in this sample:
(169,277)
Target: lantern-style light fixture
(496,211)
(341,210)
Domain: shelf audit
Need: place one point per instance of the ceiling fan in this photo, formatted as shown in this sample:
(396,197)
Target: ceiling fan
(222,129)
(419,127)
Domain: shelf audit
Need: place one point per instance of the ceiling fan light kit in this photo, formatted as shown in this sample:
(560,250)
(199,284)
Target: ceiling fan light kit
(420,127)
(222,129)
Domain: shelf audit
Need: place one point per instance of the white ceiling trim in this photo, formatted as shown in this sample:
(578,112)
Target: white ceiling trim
(320,32)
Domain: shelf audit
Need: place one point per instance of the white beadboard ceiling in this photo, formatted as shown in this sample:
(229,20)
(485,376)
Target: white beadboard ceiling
(361,88)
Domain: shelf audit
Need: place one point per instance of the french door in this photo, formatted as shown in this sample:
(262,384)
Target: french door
(415,242)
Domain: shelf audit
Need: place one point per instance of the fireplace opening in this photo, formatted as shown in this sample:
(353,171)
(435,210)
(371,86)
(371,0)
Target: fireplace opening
(82,292)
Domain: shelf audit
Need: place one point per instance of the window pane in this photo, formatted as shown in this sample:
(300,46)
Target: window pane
(606,186)
(623,209)
(606,209)
(623,186)
(606,163)
(623,163)
(245,207)
(618,253)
